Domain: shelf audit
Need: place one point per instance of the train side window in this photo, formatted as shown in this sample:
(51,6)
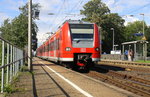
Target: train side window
(49,47)
(46,48)
(52,45)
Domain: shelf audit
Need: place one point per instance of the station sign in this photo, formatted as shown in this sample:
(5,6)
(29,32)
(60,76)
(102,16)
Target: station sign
(138,34)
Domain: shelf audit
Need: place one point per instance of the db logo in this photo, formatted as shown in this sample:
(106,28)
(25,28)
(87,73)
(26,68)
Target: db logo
(83,49)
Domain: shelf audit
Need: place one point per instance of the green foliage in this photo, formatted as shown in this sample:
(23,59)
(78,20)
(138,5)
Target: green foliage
(142,61)
(24,9)
(112,20)
(96,11)
(134,27)
(147,35)
(16,30)
(24,68)
(10,89)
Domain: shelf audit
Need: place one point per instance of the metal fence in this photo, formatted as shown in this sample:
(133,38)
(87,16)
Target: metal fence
(11,61)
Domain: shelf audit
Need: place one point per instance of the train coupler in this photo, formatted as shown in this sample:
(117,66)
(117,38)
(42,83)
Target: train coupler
(84,62)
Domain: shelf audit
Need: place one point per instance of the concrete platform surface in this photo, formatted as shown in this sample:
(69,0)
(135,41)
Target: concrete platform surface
(48,80)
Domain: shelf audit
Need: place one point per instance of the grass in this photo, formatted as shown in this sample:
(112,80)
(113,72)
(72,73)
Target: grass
(142,61)
(24,69)
(11,88)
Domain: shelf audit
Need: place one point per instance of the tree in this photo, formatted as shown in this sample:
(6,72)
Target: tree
(147,35)
(147,31)
(6,29)
(137,27)
(132,28)
(16,31)
(94,11)
(114,21)
(24,9)
(97,12)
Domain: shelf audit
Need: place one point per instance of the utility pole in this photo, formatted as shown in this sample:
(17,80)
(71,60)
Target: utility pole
(29,35)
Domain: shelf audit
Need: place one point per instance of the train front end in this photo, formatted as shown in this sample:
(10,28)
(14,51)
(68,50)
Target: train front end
(83,44)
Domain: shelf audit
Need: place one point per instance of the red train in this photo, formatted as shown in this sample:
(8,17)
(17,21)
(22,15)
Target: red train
(76,44)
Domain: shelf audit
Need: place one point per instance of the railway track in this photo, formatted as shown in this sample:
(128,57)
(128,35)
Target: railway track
(127,66)
(134,87)
(125,63)
(128,82)
(128,77)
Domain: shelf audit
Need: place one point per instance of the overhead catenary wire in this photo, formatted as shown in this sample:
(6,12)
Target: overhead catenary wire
(69,12)
(59,11)
(139,8)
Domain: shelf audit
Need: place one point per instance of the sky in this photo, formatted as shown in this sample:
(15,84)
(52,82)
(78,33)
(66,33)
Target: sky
(62,10)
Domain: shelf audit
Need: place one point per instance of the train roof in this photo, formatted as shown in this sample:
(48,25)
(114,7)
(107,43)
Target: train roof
(77,22)
(74,22)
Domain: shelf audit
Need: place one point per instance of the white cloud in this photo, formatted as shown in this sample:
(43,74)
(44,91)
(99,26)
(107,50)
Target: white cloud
(43,29)
(12,5)
(120,6)
(48,5)
(3,16)
(130,7)
(50,23)
(130,19)
(9,8)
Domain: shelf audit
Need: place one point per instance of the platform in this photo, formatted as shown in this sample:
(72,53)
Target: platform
(49,80)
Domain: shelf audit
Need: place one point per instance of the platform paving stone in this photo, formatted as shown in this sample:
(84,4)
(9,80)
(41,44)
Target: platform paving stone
(39,84)
(42,82)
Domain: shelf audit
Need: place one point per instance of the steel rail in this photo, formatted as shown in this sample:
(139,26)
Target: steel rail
(130,80)
(119,83)
(125,76)
(125,62)
(126,66)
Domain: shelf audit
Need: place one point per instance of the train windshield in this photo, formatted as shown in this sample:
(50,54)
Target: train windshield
(82,31)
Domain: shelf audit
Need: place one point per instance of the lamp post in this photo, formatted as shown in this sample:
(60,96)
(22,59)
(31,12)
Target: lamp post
(144,54)
(113,37)
(115,47)
(143,23)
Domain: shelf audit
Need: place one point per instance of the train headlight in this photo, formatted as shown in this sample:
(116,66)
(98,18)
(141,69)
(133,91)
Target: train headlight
(68,49)
(97,49)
